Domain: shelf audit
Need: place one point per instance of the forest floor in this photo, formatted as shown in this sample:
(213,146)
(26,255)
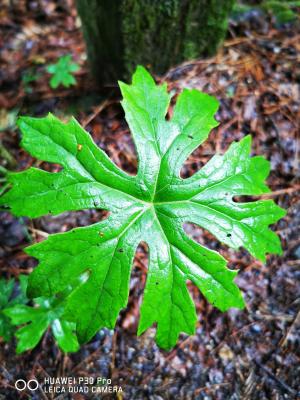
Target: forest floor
(250,354)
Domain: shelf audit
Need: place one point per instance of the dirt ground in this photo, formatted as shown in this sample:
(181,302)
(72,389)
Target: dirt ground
(250,354)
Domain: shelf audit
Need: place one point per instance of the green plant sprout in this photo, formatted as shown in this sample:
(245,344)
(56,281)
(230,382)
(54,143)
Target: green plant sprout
(62,72)
(28,77)
(7,300)
(150,207)
(36,320)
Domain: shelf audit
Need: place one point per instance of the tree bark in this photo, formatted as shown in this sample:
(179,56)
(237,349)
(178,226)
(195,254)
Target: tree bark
(121,34)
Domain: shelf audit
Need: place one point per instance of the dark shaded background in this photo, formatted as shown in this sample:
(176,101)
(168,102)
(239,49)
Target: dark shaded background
(250,354)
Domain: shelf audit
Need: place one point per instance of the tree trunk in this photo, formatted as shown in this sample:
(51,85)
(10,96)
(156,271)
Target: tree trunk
(158,34)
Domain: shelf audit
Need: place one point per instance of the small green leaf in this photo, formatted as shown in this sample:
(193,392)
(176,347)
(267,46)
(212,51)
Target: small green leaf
(62,72)
(63,332)
(7,299)
(29,335)
(6,289)
(150,207)
(37,321)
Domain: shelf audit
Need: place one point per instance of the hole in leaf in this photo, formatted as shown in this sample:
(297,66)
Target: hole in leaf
(68,220)
(203,237)
(243,199)
(116,139)
(48,167)
(200,156)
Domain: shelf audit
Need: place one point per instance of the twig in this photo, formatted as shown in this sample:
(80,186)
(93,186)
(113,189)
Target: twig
(213,387)
(293,262)
(8,376)
(231,336)
(113,350)
(270,317)
(42,392)
(296,321)
(168,358)
(38,232)
(4,153)
(282,191)
(3,189)
(97,111)
(3,170)
(281,384)
(86,360)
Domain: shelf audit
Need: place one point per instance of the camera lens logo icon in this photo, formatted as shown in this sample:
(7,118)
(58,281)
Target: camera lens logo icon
(31,385)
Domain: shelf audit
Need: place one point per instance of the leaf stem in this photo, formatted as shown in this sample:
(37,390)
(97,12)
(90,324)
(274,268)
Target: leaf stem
(3,170)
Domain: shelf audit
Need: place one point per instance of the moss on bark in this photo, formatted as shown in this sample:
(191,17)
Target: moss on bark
(156,33)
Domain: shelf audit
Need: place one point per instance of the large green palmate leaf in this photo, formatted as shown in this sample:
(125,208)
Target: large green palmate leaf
(150,207)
